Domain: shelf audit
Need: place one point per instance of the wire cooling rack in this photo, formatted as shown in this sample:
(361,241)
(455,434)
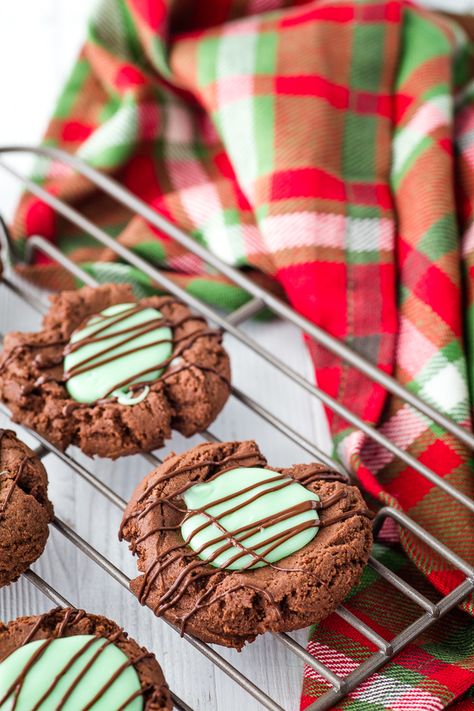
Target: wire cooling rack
(430,612)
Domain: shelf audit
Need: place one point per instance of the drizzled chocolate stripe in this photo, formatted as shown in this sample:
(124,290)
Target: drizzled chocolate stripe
(196,568)
(224,465)
(130,333)
(16,479)
(16,687)
(72,617)
(54,683)
(115,676)
(26,346)
(84,365)
(180,346)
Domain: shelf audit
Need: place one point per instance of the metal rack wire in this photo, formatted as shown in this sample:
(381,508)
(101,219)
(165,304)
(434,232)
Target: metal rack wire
(430,612)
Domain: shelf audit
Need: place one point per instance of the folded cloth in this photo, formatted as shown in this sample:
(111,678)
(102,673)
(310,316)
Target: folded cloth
(330,146)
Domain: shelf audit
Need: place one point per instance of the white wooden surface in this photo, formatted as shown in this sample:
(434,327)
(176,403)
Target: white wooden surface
(38,41)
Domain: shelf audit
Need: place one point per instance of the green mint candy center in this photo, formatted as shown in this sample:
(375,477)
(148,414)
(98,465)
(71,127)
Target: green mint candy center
(48,671)
(129,349)
(256,512)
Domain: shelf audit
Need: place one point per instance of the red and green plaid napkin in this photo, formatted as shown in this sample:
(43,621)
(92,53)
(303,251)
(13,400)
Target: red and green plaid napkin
(327,146)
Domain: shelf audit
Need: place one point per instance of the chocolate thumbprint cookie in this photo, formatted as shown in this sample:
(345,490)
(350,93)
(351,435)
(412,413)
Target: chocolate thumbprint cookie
(67,659)
(229,547)
(25,510)
(114,375)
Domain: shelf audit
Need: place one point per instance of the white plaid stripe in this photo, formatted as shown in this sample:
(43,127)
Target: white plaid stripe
(431,115)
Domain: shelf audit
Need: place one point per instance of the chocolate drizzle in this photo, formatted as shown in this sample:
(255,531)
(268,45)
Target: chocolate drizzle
(17,476)
(72,617)
(179,346)
(196,570)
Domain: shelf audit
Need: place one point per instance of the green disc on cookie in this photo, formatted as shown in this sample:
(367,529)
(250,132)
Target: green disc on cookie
(268,515)
(71,673)
(121,346)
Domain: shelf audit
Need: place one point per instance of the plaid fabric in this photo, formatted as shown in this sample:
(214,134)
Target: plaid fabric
(424,677)
(318,145)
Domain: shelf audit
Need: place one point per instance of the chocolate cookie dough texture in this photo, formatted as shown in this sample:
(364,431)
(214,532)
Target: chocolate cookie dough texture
(114,375)
(229,547)
(69,659)
(25,510)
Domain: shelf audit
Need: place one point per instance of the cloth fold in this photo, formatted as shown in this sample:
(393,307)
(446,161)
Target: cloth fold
(327,147)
